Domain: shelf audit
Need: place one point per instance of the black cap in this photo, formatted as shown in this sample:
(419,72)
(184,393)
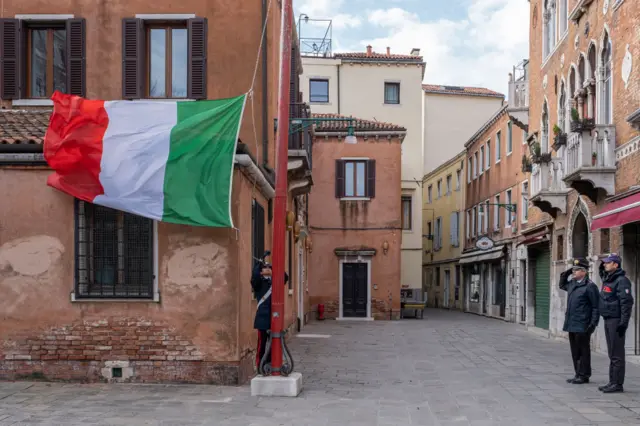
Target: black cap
(580,263)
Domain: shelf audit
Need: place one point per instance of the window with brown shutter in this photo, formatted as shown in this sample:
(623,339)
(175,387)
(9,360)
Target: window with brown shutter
(9,59)
(164,60)
(39,57)
(355,178)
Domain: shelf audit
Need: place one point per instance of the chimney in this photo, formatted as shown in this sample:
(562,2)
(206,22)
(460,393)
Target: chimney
(369,50)
(388,51)
(415,52)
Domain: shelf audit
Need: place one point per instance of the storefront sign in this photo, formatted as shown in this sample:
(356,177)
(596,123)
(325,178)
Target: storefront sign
(485,243)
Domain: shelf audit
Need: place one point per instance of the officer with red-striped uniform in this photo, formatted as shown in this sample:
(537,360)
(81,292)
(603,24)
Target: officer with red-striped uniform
(616,303)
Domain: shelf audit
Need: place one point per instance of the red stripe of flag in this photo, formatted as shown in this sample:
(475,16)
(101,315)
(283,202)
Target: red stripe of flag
(73,145)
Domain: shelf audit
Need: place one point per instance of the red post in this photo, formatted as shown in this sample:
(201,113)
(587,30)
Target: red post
(280,205)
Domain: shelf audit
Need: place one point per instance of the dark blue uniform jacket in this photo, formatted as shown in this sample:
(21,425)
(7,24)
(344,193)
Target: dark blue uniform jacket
(262,290)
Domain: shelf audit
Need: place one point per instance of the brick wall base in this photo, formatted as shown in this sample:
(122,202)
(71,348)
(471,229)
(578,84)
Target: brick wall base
(168,372)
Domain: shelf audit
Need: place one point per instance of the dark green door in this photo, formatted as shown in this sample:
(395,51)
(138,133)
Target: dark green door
(542,274)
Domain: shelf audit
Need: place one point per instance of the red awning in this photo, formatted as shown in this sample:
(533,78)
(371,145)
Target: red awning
(618,213)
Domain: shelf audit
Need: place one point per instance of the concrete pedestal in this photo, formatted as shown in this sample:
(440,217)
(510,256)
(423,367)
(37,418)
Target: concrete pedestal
(277,385)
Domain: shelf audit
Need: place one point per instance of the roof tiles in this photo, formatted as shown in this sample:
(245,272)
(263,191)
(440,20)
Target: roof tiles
(359,124)
(460,90)
(23,127)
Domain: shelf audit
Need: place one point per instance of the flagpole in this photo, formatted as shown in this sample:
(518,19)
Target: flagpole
(280,205)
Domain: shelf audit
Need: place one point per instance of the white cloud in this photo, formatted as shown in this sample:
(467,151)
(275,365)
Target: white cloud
(478,50)
(318,9)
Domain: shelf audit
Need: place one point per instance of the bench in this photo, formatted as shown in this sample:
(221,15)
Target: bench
(414,305)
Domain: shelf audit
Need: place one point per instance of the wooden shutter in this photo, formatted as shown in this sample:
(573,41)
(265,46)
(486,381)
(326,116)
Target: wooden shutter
(371,179)
(10,58)
(76,52)
(197,81)
(339,178)
(133,58)
(451,230)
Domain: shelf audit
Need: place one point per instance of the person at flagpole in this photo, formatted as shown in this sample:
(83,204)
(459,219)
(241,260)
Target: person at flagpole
(261,284)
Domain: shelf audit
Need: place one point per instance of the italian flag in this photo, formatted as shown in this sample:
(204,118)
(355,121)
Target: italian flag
(167,161)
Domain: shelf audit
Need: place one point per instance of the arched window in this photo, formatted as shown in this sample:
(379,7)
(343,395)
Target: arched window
(562,108)
(582,77)
(572,91)
(548,27)
(580,238)
(607,82)
(544,140)
(563,18)
(592,81)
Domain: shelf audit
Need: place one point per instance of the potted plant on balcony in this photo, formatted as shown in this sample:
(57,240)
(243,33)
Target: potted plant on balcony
(576,122)
(588,123)
(560,138)
(594,158)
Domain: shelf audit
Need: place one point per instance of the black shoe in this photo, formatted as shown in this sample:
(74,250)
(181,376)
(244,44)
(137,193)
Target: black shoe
(603,387)
(580,381)
(613,389)
(572,379)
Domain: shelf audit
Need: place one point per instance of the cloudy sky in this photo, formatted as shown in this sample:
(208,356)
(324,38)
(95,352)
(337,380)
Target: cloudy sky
(464,42)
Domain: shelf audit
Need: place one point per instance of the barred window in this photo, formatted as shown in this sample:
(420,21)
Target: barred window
(114,254)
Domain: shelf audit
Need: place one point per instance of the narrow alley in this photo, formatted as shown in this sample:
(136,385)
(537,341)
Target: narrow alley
(448,369)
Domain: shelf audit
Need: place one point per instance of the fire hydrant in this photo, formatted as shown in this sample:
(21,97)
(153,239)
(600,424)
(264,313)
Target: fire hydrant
(320,312)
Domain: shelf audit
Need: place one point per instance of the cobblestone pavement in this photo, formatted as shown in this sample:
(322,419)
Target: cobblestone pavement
(448,369)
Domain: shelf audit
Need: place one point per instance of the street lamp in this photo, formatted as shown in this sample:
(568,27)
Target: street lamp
(351,137)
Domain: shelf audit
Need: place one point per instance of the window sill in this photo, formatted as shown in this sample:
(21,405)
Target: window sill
(165,100)
(320,103)
(509,153)
(355,199)
(391,104)
(32,102)
(497,161)
(156,299)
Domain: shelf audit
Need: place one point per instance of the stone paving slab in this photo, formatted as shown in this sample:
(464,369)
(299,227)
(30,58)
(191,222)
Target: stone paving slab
(450,369)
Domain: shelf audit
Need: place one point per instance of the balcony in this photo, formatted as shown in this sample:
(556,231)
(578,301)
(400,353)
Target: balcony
(548,190)
(300,151)
(590,161)
(518,107)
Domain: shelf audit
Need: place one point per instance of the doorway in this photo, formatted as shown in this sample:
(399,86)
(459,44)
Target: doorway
(447,286)
(355,290)
(523,291)
(631,265)
(300,287)
(485,286)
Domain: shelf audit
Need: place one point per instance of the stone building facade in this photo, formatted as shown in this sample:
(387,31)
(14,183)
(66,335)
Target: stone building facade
(495,212)
(355,219)
(584,121)
(182,310)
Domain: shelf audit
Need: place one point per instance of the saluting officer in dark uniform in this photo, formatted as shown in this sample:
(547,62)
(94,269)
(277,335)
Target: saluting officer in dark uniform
(261,284)
(616,302)
(581,317)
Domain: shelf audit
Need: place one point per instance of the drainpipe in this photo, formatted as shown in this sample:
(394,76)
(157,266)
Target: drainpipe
(265,98)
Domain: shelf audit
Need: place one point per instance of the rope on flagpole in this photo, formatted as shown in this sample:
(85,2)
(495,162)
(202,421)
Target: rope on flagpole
(255,74)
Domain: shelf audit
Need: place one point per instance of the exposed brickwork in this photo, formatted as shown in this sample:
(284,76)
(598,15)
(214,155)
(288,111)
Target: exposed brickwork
(78,352)
(622,24)
(104,339)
